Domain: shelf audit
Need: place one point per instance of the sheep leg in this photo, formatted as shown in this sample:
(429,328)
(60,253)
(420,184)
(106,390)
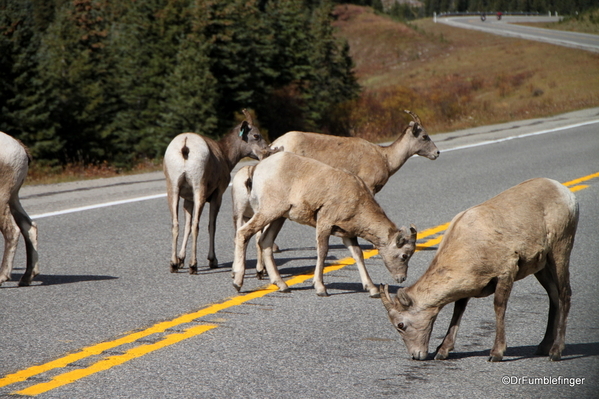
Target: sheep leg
(260,268)
(198,205)
(188,212)
(243,235)
(555,278)
(502,294)
(449,340)
(356,253)
(214,208)
(260,262)
(173,205)
(322,247)
(29,230)
(243,221)
(265,243)
(10,231)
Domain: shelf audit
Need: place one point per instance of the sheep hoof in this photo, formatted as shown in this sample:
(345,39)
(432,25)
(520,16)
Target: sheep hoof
(275,249)
(193,269)
(237,287)
(260,275)
(213,264)
(322,294)
(373,291)
(174,268)
(440,356)
(285,290)
(555,355)
(495,358)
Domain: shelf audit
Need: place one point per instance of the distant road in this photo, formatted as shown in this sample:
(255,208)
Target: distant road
(506,27)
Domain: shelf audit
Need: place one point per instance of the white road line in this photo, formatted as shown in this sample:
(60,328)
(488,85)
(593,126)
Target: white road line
(557,129)
(104,205)
(151,197)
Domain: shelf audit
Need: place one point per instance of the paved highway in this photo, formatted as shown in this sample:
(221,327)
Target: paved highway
(507,27)
(106,318)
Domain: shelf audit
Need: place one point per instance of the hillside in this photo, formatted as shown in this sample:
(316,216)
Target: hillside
(455,78)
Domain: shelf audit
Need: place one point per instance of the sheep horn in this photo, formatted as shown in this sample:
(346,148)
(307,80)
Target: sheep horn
(248,116)
(385,297)
(414,232)
(416,118)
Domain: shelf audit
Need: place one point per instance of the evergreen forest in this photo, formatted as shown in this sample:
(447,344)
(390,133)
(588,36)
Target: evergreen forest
(91,81)
(113,81)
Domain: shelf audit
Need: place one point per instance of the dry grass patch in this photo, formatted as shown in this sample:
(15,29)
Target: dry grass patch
(457,78)
(40,174)
(587,22)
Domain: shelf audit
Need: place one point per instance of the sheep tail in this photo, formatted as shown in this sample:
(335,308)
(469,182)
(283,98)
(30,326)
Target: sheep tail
(185,150)
(248,182)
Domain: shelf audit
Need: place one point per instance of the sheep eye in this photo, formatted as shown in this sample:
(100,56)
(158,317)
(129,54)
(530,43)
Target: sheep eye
(400,326)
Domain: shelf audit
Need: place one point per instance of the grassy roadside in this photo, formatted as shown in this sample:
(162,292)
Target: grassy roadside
(452,78)
(587,22)
(457,78)
(39,174)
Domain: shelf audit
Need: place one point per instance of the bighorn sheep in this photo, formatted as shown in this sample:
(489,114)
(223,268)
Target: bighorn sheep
(14,164)
(198,169)
(527,229)
(335,202)
(373,163)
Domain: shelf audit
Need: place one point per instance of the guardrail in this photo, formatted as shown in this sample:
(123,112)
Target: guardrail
(503,13)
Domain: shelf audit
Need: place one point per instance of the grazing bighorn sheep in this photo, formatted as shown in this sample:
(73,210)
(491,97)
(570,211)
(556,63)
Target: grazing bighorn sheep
(527,229)
(14,164)
(286,185)
(198,169)
(373,163)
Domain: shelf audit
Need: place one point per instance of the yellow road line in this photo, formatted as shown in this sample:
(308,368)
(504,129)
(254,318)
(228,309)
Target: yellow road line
(581,179)
(578,187)
(69,377)
(111,361)
(108,362)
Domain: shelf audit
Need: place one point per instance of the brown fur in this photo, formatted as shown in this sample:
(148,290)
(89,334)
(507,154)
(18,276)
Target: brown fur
(373,163)
(14,161)
(527,229)
(198,169)
(333,201)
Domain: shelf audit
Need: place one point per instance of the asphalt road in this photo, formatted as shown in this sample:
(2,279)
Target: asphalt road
(106,318)
(507,27)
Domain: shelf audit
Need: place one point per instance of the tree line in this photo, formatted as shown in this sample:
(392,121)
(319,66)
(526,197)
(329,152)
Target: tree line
(563,7)
(406,11)
(104,80)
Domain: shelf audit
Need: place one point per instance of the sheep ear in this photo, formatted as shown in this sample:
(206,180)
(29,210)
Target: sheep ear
(415,129)
(403,298)
(413,233)
(244,130)
(400,241)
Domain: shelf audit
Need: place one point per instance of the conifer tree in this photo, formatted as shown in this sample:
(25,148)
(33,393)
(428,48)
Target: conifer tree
(331,79)
(146,41)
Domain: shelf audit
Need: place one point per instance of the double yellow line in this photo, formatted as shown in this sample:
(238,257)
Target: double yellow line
(177,336)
